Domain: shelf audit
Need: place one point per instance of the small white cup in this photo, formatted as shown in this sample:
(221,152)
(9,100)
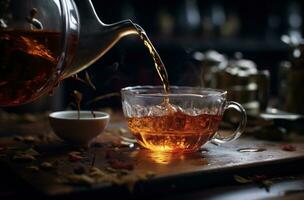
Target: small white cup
(79,131)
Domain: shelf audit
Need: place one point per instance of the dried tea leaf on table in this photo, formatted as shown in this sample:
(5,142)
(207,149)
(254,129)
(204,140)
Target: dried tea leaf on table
(96,172)
(26,139)
(33,168)
(47,166)
(23,157)
(75,156)
(82,179)
(267,184)
(29,139)
(241,179)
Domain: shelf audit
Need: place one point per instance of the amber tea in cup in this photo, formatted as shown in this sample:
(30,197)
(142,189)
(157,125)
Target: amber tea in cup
(190,118)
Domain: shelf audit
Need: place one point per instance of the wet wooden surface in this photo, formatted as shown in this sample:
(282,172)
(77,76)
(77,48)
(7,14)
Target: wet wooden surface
(213,165)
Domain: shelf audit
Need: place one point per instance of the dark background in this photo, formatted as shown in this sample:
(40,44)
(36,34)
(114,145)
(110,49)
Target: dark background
(178,28)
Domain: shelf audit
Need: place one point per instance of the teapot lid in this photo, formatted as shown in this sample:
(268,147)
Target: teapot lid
(241,67)
(211,57)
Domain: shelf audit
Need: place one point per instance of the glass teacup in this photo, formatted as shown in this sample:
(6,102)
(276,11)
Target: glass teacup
(181,121)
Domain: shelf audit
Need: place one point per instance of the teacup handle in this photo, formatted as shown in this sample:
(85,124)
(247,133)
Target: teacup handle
(240,129)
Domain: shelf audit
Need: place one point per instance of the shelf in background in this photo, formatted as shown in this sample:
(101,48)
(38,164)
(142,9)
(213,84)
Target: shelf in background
(235,44)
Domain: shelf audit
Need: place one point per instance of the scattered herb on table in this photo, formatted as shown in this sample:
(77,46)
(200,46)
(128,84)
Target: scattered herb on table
(261,180)
(26,139)
(241,179)
(23,157)
(75,156)
(75,179)
(33,168)
(96,172)
(118,172)
(289,147)
(47,166)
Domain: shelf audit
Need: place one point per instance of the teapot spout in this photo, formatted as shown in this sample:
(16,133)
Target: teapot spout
(95,37)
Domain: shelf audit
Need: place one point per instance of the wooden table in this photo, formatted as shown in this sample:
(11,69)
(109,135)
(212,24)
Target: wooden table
(209,174)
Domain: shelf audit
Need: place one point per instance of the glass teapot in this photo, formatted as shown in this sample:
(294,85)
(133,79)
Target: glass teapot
(43,42)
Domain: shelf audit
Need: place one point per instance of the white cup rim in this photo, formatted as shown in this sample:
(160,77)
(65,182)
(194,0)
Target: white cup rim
(73,115)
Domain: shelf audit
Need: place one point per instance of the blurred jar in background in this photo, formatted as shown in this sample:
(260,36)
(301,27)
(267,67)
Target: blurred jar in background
(245,84)
(188,18)
(291,76)
(240,77)
(211,62)
(166,22)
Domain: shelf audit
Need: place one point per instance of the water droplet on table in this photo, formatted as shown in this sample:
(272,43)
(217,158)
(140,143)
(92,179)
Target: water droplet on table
(250,149)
